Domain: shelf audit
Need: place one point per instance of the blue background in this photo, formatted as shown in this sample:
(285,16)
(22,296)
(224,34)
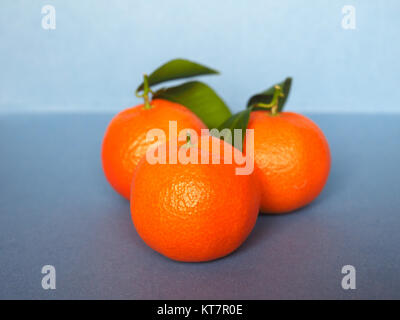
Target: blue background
(57,208)
(95,57)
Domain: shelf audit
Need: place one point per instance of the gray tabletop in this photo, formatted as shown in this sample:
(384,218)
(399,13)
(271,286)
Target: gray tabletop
(56,208)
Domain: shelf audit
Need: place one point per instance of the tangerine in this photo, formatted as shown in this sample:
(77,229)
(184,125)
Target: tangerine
(292,160)
(196,211)
(125,143)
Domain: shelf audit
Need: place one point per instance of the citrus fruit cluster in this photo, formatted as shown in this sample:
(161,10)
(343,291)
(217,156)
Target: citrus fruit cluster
(203,210)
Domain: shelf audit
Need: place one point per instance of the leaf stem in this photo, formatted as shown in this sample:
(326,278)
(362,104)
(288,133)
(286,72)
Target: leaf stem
(188,143)
(146,91)
(273,105)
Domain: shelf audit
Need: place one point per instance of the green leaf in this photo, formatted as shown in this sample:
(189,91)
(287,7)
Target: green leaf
(239,120)
(177,69)
(199,98)
(266,96)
